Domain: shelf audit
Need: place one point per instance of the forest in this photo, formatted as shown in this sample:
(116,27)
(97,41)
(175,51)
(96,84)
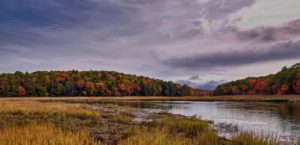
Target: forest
(88,83)
(285,82)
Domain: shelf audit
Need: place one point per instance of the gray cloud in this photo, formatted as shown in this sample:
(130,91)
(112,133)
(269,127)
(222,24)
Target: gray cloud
(197,77)
(279,51)
(135,36)
(219,8)
(209,85)
(269,34)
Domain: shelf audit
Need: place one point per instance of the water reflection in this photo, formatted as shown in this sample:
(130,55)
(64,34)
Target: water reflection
(281,119)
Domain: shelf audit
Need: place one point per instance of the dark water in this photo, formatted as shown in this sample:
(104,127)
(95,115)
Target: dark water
(280,119)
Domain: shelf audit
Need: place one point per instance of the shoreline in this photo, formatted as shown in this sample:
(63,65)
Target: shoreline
(113,124)
(262,98)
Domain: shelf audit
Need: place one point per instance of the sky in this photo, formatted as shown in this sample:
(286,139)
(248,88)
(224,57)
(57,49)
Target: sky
(201,43)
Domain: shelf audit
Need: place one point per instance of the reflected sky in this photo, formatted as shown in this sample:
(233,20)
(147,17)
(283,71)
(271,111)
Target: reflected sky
(281,119)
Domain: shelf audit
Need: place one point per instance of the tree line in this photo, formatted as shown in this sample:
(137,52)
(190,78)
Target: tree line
(287,81)
(88,83)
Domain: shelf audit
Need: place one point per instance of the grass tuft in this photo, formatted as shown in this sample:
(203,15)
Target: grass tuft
(253,139)
(189,126)
(36,134)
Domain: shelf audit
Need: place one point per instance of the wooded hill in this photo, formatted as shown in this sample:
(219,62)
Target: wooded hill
(88,83)
(287,81)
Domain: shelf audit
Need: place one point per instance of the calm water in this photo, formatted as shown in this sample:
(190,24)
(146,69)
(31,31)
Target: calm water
(281,119)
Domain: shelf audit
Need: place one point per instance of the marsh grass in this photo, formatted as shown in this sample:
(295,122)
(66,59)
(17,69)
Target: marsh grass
(156,136)
(70,117)
(254,139)
(189,126)
(24,112)
(25,107)
(47,134)
(73,124)
(189,131)
(110,105)
(122,118)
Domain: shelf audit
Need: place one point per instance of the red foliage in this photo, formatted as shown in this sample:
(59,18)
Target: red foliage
(60,78)
(244,88)
(128,91)
(138,88)
(201,93)
(260,85)
(121,86)
(283,90)
(274,89)
(252,82)
(22,91)
(251,92)
(80,83)
(178,86)
(205,93)
(235,90)
(227,91)
(296,86)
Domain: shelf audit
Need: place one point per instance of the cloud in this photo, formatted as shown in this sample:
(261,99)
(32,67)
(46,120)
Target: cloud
(209,85)
(267,34)
(279,51)
(62,32)
(196,77)
(167,39)
(219,8)
(266,13)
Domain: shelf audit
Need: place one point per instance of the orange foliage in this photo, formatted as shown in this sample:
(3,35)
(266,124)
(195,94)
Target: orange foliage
(60,77)
(80,83)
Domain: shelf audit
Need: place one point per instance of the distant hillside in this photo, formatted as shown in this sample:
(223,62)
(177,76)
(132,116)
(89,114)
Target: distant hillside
(88,83)
(287,81)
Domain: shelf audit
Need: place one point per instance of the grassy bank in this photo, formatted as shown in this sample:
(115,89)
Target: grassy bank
(29,121)
(43,134)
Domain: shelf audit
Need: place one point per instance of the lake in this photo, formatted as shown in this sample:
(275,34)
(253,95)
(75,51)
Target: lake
(280,119)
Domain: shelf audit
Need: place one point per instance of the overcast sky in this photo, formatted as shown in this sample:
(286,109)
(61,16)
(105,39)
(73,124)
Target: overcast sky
(198,42)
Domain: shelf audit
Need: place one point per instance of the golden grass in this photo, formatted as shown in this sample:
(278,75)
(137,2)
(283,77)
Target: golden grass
(156,136)
(46,108)
(189,126)
(122,118)
(253,139)
(167,130)
(35,134)
(162,136)
(189,131)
